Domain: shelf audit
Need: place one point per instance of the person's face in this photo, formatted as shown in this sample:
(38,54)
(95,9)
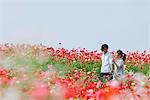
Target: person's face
(118,55)
(105,50)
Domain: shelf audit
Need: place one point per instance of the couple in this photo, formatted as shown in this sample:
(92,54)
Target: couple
(112,67)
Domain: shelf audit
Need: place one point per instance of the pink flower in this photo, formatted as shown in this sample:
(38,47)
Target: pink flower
(50,66)
(98,84)
(40,93)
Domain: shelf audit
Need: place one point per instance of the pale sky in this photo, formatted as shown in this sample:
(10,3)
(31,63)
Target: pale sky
(123,24)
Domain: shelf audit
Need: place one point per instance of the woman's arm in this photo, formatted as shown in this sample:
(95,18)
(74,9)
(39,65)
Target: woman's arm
(118,67)
(111,63)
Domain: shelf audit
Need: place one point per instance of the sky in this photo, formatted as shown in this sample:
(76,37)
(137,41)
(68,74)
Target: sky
(122,24)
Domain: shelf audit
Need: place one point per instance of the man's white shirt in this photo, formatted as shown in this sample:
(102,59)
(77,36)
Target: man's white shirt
(106,63)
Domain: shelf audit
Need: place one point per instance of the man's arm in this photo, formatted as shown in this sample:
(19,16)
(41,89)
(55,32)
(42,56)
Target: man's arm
(111,63)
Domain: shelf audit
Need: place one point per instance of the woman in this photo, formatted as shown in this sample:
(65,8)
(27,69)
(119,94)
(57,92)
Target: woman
(119,65)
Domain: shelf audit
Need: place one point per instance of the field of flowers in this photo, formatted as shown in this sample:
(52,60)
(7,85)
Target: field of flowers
(37,72)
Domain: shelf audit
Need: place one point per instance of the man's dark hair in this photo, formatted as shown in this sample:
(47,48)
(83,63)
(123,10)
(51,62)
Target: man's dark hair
(104,46)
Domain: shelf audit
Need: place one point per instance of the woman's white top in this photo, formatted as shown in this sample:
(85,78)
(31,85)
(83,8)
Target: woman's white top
(119,72)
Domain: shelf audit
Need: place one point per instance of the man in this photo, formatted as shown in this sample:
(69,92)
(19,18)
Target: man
(106,68)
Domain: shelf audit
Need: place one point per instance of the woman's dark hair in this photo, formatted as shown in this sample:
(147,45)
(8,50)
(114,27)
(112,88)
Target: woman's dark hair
(104,46)
(120,52)
(124,56)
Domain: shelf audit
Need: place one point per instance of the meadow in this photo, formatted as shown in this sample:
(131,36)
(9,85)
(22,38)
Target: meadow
(38,72)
